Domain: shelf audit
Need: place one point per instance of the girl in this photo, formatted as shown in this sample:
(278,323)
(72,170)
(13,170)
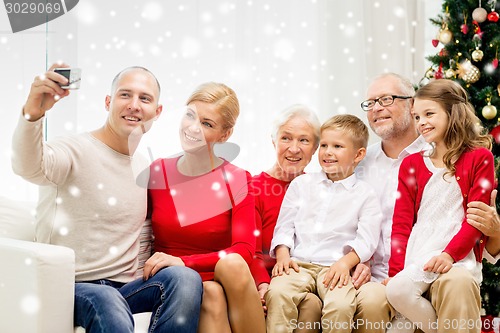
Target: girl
(203,215)
(430,234)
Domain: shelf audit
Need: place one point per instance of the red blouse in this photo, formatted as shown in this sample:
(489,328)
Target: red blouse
(202,218)
(475,175)
(269,194)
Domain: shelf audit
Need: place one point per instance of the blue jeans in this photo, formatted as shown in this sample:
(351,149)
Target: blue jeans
(173,295)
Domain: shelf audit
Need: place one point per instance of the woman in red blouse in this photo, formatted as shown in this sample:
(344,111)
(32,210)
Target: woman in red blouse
(295,137)
(203,215)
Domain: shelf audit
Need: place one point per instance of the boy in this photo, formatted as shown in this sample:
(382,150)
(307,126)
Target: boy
(329,222)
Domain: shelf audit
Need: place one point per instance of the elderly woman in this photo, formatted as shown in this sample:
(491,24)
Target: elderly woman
(203,215)
(295,138)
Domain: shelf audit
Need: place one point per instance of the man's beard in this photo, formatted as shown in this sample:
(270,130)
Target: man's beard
(394,130)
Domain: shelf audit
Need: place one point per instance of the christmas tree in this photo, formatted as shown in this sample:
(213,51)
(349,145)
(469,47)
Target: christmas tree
(468,44)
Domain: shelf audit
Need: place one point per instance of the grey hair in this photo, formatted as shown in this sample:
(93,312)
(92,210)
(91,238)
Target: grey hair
(297,111)
(405,85)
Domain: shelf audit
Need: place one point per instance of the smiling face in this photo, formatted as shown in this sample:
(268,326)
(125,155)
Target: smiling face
(295,145)
(133,103)
(393,120)
(338,156)
(202,126)
(432,121)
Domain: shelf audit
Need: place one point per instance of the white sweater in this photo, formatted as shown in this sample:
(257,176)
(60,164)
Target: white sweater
(89,200)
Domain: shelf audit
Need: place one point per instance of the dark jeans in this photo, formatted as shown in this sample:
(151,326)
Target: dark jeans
(173,295)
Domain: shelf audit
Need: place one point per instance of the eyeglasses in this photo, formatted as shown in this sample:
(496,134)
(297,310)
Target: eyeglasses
(383,101)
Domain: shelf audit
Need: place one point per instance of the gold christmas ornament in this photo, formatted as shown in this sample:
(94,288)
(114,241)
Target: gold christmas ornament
(489,111)
(479,15)
(468,72)
(477,55)
(429,74)
(450,73)
(445,36)
(498,89)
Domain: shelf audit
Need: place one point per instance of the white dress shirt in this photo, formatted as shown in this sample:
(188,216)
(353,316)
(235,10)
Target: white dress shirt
(320,221)
(381,172)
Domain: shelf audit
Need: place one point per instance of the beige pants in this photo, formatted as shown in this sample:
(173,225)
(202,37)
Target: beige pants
(455,296)
(373,311)
(287,291)
(309,314)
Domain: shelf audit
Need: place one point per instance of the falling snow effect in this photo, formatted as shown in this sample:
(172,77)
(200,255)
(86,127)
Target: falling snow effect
(30,304)
(283,58)
(201,44)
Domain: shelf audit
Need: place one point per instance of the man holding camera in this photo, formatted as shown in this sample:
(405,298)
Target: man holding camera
(89,201)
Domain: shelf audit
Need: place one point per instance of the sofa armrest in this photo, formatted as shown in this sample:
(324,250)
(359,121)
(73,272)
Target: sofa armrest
(36,287)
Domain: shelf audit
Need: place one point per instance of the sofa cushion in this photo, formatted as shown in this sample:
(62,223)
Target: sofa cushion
(17,219)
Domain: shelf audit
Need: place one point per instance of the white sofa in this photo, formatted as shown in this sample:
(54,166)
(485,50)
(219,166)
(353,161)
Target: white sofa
(37,280)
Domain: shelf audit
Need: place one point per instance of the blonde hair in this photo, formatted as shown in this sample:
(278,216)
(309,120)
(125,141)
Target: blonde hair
(223,97)
(464,130)
(350,124)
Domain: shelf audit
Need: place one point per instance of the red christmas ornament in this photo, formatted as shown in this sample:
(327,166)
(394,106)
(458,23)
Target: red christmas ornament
(464,28)
(439,73)
(435,42)
(477,29)
(495,133)
(493,17)
(495,63)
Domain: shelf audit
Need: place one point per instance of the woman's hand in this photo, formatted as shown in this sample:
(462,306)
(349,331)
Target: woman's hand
(158,261)
(262,289)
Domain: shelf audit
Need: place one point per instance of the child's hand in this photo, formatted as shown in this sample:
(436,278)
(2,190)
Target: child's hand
(283,261)
(284,265)
(338,275)
(439,264)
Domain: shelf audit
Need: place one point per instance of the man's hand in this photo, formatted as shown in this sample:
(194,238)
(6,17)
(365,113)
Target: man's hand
(362,274)
(483,217)
(45,92)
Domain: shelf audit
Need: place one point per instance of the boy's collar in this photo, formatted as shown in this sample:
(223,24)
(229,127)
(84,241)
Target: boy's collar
(347,182)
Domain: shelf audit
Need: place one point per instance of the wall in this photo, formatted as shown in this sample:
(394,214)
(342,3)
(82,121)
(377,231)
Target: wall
(273,53)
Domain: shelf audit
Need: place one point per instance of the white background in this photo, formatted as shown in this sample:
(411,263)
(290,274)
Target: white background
(273,53)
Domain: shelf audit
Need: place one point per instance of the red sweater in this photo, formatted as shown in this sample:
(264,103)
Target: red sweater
(475,175)
(269,194)
(200,218)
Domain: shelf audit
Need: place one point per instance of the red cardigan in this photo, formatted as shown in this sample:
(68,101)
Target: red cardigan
(269,193)
(475,174)
(200,218)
